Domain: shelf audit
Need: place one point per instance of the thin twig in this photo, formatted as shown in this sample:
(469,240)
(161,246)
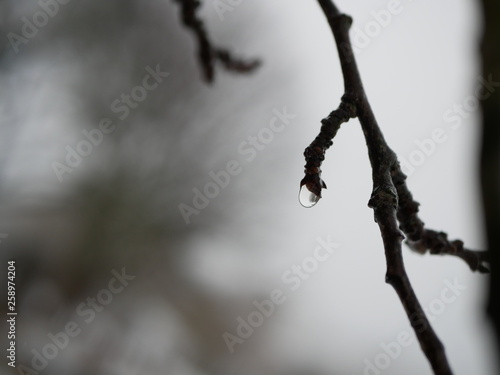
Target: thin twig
(389,186)
(208,54)
(315,153)
(421,240)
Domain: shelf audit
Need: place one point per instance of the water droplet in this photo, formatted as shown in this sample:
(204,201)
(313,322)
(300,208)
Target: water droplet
(307,198)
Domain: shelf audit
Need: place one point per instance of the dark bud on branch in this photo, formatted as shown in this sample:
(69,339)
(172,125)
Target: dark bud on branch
(310,189)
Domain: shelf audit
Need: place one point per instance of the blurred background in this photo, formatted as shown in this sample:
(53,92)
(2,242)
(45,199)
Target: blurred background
(109,138)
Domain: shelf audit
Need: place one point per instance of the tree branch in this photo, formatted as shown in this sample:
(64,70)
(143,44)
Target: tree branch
(421,240)
(490,158)
(208,54)
(391,199)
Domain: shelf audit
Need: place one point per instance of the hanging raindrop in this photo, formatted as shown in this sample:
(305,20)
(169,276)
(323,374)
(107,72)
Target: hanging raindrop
(307,198)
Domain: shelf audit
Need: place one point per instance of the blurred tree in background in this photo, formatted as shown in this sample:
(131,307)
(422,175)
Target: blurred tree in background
(117,206)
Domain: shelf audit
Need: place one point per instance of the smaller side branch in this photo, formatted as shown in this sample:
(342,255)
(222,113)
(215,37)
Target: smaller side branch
(421,239)
(208,54)
(315,153)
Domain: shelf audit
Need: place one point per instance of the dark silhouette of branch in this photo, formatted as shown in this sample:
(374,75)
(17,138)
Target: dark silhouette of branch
(490,157)
(208,54)
(315,153)
(394,208)
(421,239)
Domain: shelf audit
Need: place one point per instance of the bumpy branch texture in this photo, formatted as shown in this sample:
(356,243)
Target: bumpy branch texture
(394,208)
(315,153)
(421,239)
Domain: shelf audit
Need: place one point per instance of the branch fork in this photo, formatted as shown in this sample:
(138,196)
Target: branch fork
(208,53)
(395,211)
